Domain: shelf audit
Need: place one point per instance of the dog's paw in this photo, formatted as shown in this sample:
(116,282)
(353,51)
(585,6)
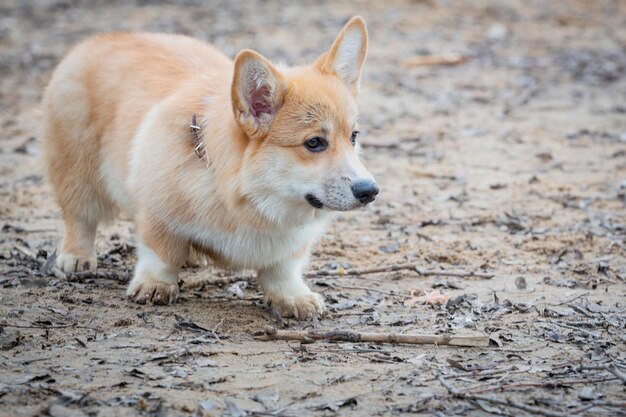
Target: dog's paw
(152,292)
(301,306)
(69,263)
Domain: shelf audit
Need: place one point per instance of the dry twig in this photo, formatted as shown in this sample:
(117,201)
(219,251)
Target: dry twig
(271,333)
(481,374)
(398,267)
(549,383)
(113,276)
(358,287)
(506,402)
(47,327)
(351,272)
(615,371)
(219,281)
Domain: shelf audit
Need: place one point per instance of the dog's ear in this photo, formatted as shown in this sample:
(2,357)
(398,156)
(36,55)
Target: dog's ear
(257,93)
(346,56)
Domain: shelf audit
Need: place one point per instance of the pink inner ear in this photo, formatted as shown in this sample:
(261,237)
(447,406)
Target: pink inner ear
(260,107)
(259,102)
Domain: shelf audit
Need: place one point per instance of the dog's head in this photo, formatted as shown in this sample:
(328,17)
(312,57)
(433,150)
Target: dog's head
(302,127)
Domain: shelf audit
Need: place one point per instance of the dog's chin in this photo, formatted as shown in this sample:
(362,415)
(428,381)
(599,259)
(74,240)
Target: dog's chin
(319,204)
(347,208)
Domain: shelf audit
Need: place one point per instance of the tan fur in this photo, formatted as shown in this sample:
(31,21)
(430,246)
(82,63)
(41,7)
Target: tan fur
(116,138)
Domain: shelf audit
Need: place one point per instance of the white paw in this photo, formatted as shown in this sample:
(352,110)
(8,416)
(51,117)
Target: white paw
(301,305)
(152,292)
(67,262)
(154,282)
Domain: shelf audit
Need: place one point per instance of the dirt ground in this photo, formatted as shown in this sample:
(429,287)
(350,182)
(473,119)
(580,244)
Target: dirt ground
(510,162)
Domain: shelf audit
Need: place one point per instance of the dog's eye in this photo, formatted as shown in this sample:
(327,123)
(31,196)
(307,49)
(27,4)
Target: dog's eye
(316,144)
(353,138)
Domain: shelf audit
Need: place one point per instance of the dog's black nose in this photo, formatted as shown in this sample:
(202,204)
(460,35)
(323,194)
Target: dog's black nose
(364,190)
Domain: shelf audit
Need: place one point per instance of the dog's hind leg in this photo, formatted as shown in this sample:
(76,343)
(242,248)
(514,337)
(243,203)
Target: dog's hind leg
(83,208)
(73,174)
(77,252)
(72,158)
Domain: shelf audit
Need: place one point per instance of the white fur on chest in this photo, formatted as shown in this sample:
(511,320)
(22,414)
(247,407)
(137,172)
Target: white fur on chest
(250,248)
(246,246)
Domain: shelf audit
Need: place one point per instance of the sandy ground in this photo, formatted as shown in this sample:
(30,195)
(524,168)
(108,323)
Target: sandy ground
(511,163)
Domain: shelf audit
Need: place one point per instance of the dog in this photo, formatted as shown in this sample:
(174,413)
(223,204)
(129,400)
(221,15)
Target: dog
(243,161)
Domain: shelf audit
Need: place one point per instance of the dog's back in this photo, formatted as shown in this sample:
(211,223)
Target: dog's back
(97,98)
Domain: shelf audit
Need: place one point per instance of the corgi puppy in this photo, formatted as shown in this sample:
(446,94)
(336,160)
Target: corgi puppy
(243,161)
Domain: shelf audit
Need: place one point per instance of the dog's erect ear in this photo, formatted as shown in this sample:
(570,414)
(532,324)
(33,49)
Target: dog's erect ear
(257,93)
(347,55)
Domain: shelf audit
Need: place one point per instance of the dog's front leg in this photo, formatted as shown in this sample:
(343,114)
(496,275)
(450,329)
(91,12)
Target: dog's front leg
(285,290)
(160,254)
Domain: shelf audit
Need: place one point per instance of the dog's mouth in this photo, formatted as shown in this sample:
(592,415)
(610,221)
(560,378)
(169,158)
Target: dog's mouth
(317,203)
(314,201)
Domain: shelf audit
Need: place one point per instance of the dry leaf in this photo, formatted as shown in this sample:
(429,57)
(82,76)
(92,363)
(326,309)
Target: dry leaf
(434,297)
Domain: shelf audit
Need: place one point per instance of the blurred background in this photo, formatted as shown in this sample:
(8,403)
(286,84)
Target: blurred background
(497,133)
(505,50)
(511,46)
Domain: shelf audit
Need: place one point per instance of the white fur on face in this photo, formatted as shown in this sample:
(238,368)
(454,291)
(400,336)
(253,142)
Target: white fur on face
(280,187)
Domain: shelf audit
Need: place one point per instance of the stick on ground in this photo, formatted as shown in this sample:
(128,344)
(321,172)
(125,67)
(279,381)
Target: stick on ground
(355,272)
(399,267)
(272,333)
(505,402)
